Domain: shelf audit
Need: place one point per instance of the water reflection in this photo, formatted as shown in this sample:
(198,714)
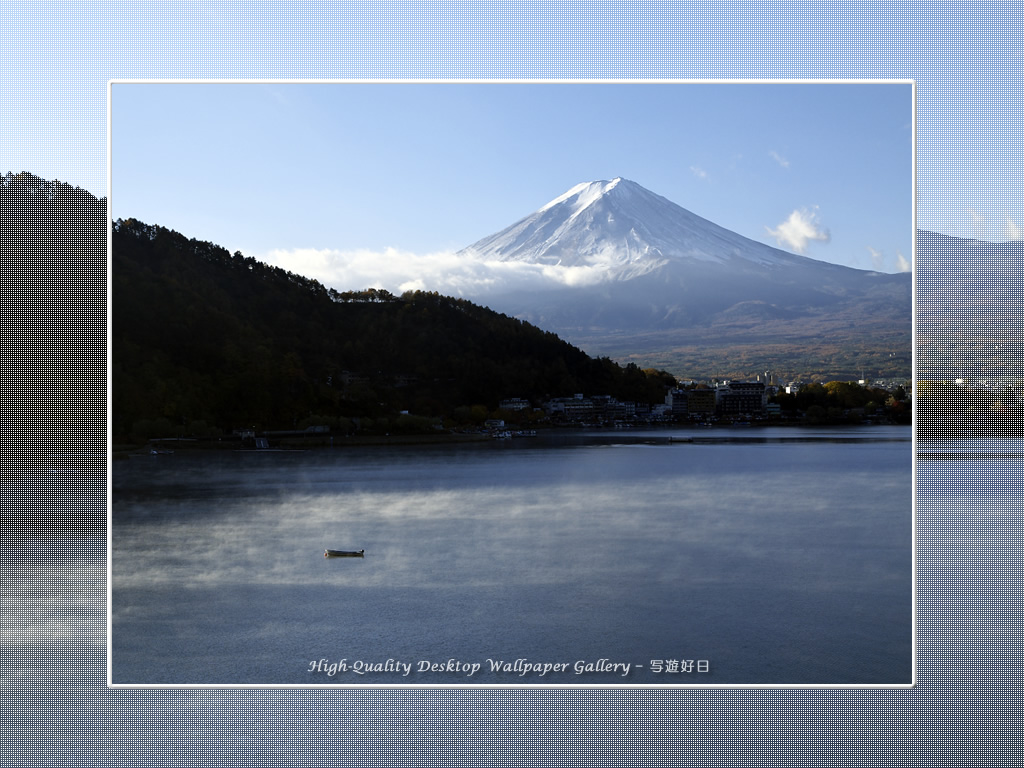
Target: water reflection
(794,550)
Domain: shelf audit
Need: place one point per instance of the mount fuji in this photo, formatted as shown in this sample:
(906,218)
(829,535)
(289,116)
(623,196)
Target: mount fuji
(623,229)
(645,280)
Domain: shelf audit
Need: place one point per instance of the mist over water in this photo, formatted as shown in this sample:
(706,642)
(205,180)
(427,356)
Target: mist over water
(770,558)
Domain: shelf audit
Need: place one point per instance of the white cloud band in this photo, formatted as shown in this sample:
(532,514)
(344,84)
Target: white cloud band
(445,272)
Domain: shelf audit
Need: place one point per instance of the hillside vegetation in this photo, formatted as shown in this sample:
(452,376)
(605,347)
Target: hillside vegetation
(206,341)
(53,251)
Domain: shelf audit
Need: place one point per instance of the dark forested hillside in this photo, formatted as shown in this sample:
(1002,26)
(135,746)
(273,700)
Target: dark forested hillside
(208,340)
(53,253)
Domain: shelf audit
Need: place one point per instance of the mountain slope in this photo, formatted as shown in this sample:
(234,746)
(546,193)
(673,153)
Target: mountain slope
(969,312)
(53,253)
(664,286)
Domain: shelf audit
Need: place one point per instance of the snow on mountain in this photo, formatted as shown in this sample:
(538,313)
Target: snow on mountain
(634,273)
(645,262)
(624,230)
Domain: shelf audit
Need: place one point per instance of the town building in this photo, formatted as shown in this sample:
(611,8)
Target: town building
(741,398)
(700,402)
(578,408)
(677,403)
(514,404)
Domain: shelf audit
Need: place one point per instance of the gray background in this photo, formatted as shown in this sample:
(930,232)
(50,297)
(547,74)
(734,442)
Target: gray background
(56,708)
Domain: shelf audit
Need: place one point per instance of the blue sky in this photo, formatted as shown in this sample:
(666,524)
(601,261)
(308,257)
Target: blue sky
(278,170)
(60,57)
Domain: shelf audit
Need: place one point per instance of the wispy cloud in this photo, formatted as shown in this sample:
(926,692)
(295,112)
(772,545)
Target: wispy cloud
(798,230)
(987,229)
(699,172)
(879,262)
(901,263)
(979,224)
(779,159)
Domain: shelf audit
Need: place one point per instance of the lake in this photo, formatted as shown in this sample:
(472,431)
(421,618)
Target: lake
(747,556)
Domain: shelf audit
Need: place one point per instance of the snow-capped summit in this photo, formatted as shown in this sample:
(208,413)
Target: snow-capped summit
(623,228)
(634,273)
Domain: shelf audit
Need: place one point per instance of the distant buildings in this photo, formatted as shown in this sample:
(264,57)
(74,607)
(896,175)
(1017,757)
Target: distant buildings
(685,403)
(601,409)
(741,399)
(731,400)
(514,404)
(578,408)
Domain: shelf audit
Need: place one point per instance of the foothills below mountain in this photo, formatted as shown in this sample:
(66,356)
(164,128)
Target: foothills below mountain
(969,319)
(53,248)
(202,335)
(970,337)
(203,338)
(662,286)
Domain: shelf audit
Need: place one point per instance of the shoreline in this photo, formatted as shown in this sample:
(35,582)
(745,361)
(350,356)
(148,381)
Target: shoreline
(171,444)
(319,442)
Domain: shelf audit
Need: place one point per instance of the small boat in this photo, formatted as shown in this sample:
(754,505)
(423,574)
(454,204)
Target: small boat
(342,553)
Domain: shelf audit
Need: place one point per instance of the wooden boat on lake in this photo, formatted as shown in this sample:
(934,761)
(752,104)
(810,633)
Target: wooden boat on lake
(342,553)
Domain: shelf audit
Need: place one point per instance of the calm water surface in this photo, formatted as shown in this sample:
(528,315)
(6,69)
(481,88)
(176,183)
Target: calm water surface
(756,555)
